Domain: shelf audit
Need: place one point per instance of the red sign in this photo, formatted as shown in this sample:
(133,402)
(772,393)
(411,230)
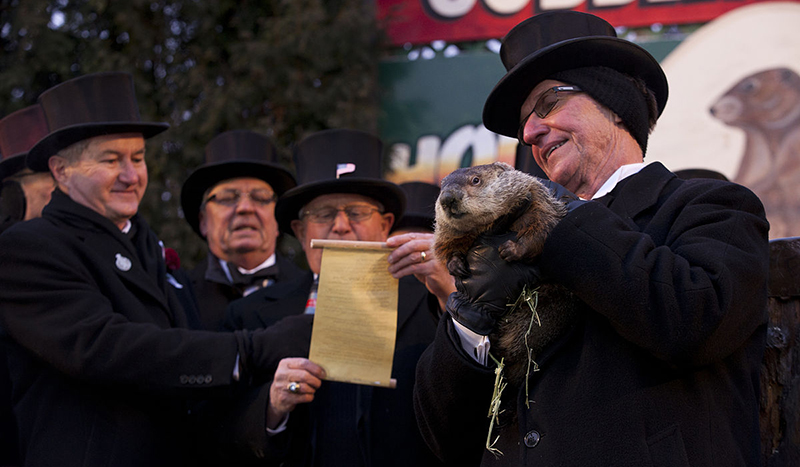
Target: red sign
(421,21)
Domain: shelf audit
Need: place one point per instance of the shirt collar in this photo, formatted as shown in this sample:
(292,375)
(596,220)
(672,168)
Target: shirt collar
(267,263)
(623,172)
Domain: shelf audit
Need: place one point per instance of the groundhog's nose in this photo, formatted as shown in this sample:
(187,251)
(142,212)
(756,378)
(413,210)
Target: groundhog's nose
(448,201)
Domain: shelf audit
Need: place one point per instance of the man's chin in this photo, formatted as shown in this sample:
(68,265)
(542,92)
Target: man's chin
(245,244)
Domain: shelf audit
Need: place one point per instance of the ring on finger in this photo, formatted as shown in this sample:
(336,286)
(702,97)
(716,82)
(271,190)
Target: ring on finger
(423,256)
(293,387)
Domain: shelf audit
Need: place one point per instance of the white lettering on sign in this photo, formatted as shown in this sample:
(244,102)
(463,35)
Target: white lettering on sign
(559,4)
(450,8)
(610,3)
(436,158)
(505,7)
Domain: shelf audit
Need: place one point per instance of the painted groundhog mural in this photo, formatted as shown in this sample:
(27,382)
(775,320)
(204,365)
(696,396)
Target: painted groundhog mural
(766,106)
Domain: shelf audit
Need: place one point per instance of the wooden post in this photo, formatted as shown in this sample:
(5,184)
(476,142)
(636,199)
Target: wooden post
(780,370)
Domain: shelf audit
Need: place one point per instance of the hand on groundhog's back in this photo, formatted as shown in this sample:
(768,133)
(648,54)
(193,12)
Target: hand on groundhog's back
(492,284)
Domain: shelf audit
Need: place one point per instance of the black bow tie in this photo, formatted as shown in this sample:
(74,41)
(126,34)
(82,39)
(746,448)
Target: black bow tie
(258,278)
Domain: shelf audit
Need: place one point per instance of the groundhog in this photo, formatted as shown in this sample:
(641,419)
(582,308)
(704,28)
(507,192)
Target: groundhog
(496,198)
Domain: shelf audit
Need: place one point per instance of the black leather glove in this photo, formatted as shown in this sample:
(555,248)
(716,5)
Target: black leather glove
(483,296)
(567,197)
(261,350)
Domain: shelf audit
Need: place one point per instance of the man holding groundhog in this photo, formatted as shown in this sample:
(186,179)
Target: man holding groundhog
(662,366)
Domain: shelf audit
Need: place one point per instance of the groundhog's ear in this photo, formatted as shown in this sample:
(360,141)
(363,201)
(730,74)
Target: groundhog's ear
(503,165)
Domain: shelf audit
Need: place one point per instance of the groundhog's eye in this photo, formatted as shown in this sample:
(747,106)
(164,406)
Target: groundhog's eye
(749,86)
(476,180)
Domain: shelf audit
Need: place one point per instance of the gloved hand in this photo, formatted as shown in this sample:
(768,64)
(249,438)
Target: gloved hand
(481,297)
(567,197)
(261,350)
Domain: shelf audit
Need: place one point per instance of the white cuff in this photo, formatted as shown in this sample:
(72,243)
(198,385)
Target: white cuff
(476,345)
(280,428)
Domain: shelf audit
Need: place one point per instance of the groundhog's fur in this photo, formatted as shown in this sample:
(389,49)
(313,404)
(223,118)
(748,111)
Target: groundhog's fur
(492,197)
(496,198)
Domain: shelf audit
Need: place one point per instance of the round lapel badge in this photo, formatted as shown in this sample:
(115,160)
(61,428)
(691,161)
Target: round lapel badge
(123,263)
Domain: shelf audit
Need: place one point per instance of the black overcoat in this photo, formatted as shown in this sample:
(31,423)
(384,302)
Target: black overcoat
(355,425)
(663,367)
(98,351)
(213,297)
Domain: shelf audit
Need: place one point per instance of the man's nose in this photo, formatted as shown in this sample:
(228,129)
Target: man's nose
(128,173)
(245,204)
(534,129)
(341,223)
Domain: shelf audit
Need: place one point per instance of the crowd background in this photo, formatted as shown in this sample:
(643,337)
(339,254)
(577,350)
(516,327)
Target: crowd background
(285,69)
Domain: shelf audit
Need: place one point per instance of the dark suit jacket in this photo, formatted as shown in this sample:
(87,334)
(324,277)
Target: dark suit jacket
(662,369)
(97,349)
(213,298)
(348,424)
(9,451)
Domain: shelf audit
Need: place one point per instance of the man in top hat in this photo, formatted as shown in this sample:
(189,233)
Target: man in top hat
(24,192)
(98,346)
(420,211)
(341,196)
(230,202)
(661,366)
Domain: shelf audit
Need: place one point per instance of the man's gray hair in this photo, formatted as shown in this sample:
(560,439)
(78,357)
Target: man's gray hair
(73,152)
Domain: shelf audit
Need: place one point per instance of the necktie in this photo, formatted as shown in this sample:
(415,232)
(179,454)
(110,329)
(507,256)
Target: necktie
(311,303)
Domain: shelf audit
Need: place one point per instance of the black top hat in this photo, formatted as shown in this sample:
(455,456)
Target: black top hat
(338,161)
(85,107)
(19,131)
(555,41)
(421,209)
(233,154)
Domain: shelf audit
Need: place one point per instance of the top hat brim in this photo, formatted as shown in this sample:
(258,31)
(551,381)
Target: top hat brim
(62,138)
(11,165)
(387,193)
(206,176)
(501,112)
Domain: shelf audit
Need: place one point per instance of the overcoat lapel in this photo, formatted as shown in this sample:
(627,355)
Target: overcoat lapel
(640,191)
(121,257)
(114,251)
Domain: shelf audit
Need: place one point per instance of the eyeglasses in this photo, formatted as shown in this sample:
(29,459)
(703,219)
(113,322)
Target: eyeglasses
(543,106)
(231,198)
(327,215)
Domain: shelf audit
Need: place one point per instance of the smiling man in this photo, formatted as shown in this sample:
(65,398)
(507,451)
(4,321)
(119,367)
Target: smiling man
(661,366)
(230,202)
(102,361)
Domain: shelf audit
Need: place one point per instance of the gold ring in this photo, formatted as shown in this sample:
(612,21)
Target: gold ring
(293,387)
(423,256)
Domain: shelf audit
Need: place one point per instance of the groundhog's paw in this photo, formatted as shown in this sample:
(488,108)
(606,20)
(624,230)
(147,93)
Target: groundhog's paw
(457,266)
(510,251)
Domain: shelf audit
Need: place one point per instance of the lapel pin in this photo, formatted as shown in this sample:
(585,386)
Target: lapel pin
(123,263)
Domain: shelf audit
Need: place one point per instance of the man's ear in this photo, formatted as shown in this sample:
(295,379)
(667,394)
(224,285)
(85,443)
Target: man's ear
(58,167)
(387,221)
(201,216)
(299,229)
